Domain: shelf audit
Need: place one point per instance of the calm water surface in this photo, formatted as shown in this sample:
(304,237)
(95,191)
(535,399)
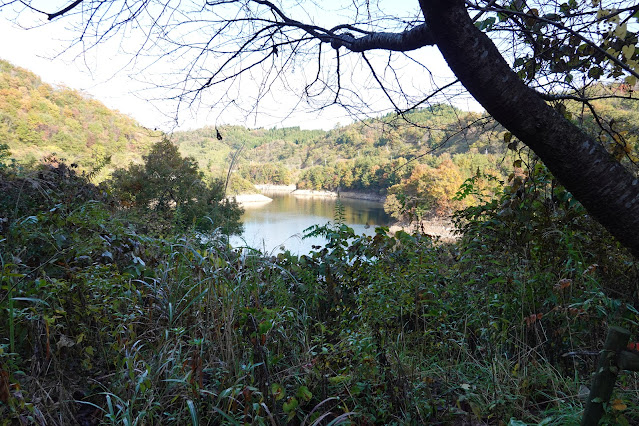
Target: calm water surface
(280,224)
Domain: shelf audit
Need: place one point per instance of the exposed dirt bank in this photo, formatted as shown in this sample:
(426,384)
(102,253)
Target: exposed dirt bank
(441,227)
(250,199)
(292,189)
(314,193)
(343,194)
(276,188)
(369,196)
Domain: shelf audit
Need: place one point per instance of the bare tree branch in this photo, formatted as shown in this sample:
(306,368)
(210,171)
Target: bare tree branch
(412,39)
(52,16)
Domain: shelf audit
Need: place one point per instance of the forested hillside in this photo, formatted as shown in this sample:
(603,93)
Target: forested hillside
(37,119)
(418,160)
(377,155)
(431,130)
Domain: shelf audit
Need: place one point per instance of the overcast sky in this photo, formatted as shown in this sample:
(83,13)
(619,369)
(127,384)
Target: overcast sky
(106,75)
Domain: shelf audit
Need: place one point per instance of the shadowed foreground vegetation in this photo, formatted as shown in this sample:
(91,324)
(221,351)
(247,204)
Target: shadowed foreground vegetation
(103,323)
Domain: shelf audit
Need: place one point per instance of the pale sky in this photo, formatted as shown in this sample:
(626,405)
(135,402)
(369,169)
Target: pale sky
(104,74)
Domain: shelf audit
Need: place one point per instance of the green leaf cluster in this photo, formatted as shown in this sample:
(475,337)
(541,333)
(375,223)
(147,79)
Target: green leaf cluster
(168,193)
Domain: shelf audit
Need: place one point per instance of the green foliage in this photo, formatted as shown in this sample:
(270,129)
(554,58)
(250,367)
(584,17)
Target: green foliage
(5,154)
(263,146)
(362,156)
(239,185)
(364,174)
(168,194)
(431,190)
(535,240)
(565,58)
(103,324)
(614,123)
(535,218)
(50,183)
(275,174)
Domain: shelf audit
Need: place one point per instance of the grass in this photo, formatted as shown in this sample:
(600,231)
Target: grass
(106,326)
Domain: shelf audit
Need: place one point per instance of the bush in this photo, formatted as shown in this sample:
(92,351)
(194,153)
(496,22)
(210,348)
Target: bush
(101,324)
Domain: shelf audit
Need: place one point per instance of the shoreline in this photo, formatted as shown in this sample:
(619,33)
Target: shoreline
(245,200)
(292,189)
(440,227)
(367,196)
(275,188)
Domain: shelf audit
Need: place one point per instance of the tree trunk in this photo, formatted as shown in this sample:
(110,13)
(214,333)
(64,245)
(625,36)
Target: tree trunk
(607,189)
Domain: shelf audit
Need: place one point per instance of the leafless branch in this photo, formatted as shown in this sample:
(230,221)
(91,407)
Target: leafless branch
(52,16)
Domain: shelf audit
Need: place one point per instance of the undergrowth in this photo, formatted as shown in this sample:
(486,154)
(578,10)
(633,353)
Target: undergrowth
(103,325)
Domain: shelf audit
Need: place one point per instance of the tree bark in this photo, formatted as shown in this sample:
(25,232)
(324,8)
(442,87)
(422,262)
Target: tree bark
(605,187)
(603,382)
(415,38)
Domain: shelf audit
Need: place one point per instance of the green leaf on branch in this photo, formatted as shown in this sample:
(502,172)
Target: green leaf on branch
(486,24)
(278,391)
(507,137)
(291,405)
(304,393)
(595,73)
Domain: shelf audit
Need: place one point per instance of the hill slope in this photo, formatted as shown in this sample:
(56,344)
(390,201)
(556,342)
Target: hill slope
(434,129)
(37,119)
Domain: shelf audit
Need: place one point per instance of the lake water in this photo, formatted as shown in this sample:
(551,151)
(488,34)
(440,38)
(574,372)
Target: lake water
(279,225)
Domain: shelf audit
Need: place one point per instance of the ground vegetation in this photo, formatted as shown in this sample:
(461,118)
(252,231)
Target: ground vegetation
(105,323)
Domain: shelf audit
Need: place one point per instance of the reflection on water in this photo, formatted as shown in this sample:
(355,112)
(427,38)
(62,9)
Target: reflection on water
(270,226)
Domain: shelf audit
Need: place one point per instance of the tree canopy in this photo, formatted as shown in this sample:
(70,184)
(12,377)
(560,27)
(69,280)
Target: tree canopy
(519,59)
(168,193)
